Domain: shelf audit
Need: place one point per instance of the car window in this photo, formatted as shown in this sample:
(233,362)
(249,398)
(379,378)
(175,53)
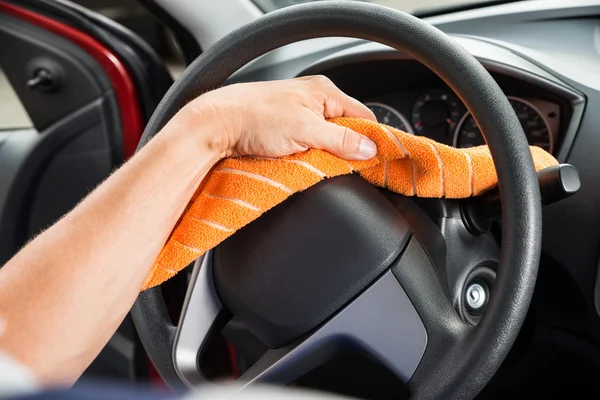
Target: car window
(12,113)
(402,5)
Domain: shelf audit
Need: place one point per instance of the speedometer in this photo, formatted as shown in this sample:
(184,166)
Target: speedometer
(534,124)
(389,116)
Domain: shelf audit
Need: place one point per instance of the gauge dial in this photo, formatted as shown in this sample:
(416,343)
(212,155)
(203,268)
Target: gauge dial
(435,114)
(534,124)
(390,116)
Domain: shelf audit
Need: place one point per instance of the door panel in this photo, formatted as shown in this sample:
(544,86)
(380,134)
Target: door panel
(79,80)
(136,56)
(82,154)
(85,125)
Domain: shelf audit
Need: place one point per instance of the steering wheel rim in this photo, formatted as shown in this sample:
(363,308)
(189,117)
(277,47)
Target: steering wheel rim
(462,372)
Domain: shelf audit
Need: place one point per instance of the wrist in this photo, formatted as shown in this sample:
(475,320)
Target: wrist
(199,127)
(191,148)
(218,120)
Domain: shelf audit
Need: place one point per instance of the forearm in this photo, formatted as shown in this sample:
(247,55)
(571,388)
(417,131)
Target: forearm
(65,293)
(90,265)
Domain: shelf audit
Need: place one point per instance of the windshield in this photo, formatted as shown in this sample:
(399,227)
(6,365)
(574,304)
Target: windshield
(409,6)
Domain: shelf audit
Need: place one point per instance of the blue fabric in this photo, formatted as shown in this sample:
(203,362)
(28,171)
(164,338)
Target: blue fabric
(101,391)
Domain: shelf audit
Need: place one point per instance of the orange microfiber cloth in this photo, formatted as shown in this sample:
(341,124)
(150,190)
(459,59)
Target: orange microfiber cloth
(238,190)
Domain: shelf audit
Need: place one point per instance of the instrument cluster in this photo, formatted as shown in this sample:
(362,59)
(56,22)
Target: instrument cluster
(440,115)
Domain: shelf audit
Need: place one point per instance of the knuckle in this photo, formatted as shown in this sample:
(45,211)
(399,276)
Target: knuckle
(305,133)
(350,141)
(320,80)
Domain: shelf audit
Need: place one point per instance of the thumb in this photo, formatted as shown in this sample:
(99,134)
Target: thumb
(341,141)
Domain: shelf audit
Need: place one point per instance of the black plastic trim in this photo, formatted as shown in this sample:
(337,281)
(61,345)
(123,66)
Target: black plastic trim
(80,79)
(24,156)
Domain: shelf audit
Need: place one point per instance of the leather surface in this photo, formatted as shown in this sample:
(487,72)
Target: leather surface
(418,278)
(463,372)
(288,271)
(157,333)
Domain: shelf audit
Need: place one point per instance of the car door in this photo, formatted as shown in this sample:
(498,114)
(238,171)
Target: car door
(88,86)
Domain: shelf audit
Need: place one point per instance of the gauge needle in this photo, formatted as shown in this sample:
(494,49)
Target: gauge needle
(450,122)
(418,124)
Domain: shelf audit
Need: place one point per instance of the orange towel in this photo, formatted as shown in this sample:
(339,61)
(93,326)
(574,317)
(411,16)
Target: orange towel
(239,190)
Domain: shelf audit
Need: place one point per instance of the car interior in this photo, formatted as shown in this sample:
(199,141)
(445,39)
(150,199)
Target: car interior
(343,288)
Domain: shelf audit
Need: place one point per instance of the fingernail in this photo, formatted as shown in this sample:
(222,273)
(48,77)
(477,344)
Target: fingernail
(367,148)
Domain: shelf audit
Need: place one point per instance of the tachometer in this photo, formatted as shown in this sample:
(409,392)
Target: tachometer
(435,114)
(389,116)
(534,124)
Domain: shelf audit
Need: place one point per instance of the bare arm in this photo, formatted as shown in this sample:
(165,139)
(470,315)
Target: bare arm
(66,292)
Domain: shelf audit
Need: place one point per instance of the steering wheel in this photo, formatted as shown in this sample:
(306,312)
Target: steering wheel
(344,264)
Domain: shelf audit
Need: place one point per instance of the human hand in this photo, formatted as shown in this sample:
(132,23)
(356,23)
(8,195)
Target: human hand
(277,118)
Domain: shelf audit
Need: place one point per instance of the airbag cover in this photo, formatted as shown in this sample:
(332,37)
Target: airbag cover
(291,269)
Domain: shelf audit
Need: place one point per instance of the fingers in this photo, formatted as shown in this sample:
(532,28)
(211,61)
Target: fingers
(341,141)
(337,139)
(338,103)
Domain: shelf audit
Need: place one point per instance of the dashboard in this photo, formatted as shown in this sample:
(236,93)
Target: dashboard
(555,100)
(406,95)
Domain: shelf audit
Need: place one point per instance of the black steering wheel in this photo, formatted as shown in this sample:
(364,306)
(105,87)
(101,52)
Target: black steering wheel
(344,264)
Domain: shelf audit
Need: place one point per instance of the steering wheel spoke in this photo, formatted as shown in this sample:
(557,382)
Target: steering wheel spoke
(403,319)
(202,314)
(382,322)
